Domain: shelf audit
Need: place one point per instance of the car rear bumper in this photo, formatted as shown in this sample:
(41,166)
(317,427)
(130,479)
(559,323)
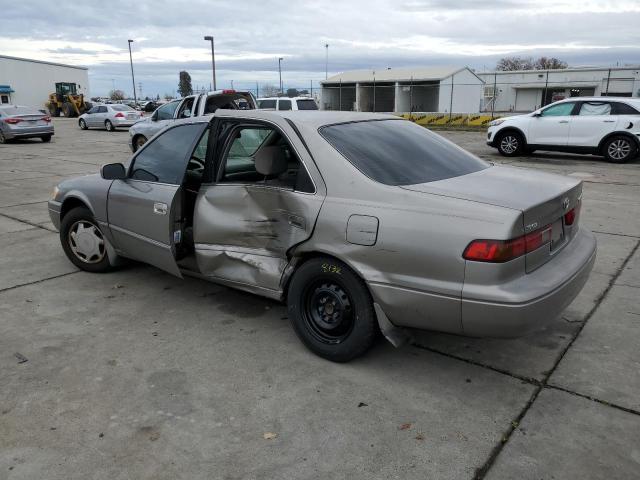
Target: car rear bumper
(26,132)
(123,123)
(532,300)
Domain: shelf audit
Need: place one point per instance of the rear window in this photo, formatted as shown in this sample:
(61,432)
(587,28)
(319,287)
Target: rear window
(121,108)
(399,152)
(266,104)
(9,111)
(307,105)
(623,109)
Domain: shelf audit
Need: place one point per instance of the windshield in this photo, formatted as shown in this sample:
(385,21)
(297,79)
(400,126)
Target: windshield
(307,104)
(399,152)
(121,108)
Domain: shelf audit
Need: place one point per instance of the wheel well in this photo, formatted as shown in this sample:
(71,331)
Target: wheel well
(304,257)
(69,204)
(617,134)
(512,130)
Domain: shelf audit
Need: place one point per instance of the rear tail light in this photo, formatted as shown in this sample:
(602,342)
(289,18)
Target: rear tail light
(12,121)
(46,119)
(571,215)
(119,115)
(228,91)
(499,251)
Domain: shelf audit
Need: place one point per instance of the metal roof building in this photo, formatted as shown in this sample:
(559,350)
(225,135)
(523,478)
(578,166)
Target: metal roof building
(29,82)
(427,89)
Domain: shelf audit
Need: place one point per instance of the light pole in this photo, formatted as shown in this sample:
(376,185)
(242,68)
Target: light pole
(213,60)
(326,62)
(280,72)
(133,78)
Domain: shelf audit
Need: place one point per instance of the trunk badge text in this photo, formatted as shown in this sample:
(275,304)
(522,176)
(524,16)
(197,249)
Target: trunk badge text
(565,203)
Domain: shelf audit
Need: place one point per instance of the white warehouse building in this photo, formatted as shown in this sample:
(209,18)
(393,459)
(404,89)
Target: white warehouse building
(29,82)
(430,89)
(528,90)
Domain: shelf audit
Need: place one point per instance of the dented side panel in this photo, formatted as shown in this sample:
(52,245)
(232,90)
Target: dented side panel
(242,233)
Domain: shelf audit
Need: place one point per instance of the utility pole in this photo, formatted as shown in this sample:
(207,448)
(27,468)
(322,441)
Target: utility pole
(495,94)
(213,60)
(546,85)
(326,62)
(133,78)
(606,93)
(231,84)
(280,72)
(374,91)
(257,91)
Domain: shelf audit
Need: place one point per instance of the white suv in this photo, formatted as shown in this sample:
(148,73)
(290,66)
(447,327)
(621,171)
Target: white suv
(608,126)
(287,103)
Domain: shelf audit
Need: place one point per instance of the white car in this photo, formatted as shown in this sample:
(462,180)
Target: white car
(287,103)
(607,126)
(109,117)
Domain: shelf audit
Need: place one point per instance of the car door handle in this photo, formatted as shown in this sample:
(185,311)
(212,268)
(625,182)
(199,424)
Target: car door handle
(609,121)
(563,121)
(160,208)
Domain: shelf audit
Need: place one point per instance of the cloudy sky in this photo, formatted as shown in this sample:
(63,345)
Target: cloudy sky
(251,35)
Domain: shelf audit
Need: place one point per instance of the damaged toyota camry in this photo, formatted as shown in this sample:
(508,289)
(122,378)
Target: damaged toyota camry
(360,222)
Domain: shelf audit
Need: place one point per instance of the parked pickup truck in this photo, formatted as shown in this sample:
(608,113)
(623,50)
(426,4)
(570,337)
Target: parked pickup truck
(189,106)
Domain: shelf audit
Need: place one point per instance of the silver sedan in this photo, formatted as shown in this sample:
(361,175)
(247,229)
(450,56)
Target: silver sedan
(360,222)
(109,117)
(24,122)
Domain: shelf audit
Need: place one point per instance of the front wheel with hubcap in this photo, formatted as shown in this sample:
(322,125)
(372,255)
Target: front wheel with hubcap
(83,242)
(109,126)
(331,310)
(83,124)
(510,144)
(619,149)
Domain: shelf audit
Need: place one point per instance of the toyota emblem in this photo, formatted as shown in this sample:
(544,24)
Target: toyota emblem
(565,203)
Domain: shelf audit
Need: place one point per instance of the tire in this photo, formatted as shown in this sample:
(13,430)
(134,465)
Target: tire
(87,106)
(345,332)
(83,124)
(68,110)
(54,111)
(510,144)
(3,139)
(46,138)
(138,141)
(619,149)
(109,126)
(87,248)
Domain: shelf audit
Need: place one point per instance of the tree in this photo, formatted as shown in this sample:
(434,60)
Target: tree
(184,87)
(117,95)
(158,97)
(269,90)
(168,96)
(510,64)
(292,92)
(550,63)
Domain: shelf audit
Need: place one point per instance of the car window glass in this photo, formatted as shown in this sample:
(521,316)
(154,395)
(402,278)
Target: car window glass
(558,110)
(266,104)
(399,152)
(102,109)
(595,108)
(284,105)
(122,108)
(307,104)
(165,158)
(19,111)
(238,164)
(185,108)
(166,112)
(624,109)
(93,110)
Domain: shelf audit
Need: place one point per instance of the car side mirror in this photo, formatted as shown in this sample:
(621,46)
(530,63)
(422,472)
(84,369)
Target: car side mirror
(113,171)
(537,114)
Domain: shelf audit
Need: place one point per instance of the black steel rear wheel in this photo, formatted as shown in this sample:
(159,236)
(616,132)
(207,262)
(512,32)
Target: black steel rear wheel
(331,310)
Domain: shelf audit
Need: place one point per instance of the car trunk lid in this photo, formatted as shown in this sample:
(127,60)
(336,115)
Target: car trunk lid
(544,199)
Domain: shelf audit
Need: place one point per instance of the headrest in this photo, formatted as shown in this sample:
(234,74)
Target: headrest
(271,160)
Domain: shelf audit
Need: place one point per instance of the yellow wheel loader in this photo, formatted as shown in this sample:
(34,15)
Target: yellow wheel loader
(67,100)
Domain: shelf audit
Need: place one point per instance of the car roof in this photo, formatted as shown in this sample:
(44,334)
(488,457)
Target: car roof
(631,100)
(311,118)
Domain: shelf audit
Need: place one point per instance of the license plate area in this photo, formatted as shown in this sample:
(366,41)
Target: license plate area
(557,234)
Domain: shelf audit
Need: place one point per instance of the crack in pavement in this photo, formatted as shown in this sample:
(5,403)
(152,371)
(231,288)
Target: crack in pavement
(484,469)
(616,234)
(593,399)
(26,222)
(35,282)
(23,204)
